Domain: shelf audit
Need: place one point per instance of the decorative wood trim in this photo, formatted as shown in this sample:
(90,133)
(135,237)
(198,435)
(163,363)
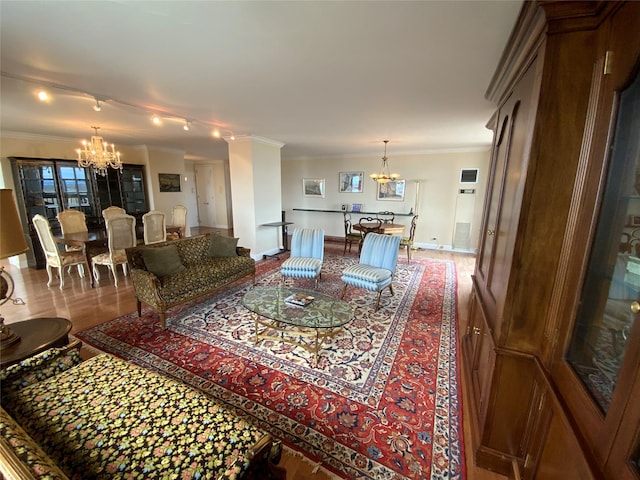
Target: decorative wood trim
(524,41)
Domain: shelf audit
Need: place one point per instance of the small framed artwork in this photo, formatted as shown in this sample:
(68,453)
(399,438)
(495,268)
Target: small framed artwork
(169,182)
(350,182)
(393,190)
(313,187)
(344,207)
(356,207)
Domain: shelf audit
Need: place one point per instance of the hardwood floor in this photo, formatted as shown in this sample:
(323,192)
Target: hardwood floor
(87,307)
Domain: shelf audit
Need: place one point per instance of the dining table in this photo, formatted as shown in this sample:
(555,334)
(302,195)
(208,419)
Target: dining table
(384,228)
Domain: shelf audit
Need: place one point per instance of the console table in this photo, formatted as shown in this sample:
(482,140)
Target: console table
(410,214)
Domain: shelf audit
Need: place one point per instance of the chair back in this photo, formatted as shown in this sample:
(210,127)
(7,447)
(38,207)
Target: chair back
(179,216)
(109,212)
(386,216)
(374,229)
(155,227)
(43,229)
(121,230)
(307,243)
(380,251)
(348,224)
(412,229)
(72,221)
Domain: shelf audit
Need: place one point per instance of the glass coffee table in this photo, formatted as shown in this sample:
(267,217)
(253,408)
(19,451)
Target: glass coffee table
(321,318)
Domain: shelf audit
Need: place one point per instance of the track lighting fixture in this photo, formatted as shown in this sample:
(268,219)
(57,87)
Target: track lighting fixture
(187,125)
(156,120)
(97,106)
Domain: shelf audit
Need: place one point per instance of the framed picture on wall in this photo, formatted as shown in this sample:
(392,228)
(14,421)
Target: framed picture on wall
(393,190)
(356,207)
(350,182)
(313,187)
(169,182)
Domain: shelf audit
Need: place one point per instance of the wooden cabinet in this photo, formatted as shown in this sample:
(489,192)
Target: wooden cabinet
(558,86)
(49,186)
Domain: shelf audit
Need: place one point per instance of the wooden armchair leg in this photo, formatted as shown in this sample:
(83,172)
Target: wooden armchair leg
(344,290)
(139,305)
(163,321)
(378,301)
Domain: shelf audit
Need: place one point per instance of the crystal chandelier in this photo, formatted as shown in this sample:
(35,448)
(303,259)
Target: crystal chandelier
(98,154)
(384,176)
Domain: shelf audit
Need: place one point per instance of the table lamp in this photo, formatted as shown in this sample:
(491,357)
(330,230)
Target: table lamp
(11,243)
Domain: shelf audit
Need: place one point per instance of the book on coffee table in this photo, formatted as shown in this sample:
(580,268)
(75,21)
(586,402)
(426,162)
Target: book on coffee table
(299,300)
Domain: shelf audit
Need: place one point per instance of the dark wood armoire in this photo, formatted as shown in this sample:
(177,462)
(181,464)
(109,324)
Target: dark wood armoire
(552,351)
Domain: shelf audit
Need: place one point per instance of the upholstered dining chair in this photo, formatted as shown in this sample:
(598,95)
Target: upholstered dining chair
(351,237)
(72,221)
(179,218)
(307,254)
(154,226)
(54,257)
(109,212)
(407,242)
(378,260)
(121,233)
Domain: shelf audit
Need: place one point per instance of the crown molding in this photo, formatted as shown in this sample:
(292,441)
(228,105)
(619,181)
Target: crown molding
(254,138)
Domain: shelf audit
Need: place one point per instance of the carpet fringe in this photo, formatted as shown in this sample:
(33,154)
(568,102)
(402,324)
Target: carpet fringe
(317,466)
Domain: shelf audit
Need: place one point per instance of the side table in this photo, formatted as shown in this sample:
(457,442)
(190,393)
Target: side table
(36,335)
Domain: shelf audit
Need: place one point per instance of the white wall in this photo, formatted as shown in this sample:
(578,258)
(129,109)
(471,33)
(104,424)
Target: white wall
(439,189)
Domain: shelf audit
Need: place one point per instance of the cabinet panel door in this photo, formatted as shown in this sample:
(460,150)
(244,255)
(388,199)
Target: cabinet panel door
(482,359)
(502,210)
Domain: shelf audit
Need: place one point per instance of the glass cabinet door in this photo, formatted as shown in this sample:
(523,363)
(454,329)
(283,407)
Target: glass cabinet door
(76,189)
(609,301)
(40,191)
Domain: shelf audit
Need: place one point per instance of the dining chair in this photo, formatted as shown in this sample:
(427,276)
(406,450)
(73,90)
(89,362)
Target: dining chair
(72,221)
(53,256)
(407,242)
(386,216)
(109,212)
(307,254)
(377,265)
(374,224)
(179,218)
(351,237)
(121,233)
(154,227)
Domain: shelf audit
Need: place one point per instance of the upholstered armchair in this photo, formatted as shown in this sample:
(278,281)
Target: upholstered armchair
(378,260)
(307,254)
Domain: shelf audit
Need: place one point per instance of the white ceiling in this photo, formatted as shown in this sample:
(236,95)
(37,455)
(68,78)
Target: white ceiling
(326,78)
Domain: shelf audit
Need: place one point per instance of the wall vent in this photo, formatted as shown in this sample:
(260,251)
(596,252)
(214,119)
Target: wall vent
(469,175)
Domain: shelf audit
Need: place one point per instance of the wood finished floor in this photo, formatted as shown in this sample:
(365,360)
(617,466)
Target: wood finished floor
(87,307)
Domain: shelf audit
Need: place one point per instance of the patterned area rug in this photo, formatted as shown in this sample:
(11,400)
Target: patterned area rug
(383,401)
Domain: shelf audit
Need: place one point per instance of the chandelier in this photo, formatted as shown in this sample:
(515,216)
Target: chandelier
(98,154)
(384,176)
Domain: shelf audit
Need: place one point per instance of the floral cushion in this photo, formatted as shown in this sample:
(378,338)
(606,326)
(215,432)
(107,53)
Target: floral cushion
(38,367)
(22,455)
(108,418)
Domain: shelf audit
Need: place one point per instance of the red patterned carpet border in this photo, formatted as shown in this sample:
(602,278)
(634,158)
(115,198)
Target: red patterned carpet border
(383,401)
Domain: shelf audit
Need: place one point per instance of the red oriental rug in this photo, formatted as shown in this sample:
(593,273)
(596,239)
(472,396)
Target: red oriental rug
(384,399)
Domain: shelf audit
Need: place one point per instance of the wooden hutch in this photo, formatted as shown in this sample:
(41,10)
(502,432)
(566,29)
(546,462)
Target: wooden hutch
(552,351)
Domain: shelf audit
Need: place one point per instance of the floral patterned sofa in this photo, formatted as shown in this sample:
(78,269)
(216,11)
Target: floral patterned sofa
(105,418)
(208,262)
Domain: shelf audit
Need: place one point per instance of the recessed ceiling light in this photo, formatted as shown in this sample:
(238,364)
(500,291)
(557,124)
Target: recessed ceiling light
(156,120)
(216,133)
(43,96)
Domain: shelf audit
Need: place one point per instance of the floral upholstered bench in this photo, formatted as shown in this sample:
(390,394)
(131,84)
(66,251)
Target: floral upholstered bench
(170,273)
(106,418)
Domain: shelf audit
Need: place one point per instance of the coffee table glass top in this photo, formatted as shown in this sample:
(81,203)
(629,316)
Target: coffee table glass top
(323,312)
